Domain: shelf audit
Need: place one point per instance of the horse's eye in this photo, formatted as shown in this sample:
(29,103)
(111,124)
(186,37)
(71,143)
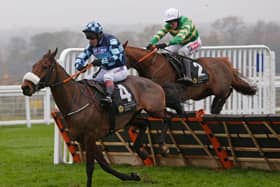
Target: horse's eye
(45,67)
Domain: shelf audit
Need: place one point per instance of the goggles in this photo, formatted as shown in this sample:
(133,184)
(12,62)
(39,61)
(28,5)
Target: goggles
(91,36)
(172,21)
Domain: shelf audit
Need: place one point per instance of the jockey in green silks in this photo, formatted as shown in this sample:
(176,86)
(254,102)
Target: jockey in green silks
(185,37)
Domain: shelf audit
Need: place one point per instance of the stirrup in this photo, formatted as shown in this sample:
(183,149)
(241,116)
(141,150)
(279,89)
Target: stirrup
(185,79)
(107,100)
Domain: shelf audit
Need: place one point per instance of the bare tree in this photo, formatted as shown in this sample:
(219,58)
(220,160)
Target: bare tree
(229,30)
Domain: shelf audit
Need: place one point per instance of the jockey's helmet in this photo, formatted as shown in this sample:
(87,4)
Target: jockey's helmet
(171,14)
(93,30)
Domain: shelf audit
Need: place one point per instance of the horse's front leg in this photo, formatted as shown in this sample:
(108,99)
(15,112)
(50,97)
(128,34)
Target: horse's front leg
(173,98)
(89,169)
(90,156)
(106,167)
(218,102)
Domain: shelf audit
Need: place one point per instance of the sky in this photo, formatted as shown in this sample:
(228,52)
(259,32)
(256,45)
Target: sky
(61,14)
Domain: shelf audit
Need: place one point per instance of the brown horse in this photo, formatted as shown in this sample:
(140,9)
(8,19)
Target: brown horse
(222,78)
(80,106)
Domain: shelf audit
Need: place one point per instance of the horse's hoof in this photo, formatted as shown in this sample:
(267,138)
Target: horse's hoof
(135,177)
(164,150)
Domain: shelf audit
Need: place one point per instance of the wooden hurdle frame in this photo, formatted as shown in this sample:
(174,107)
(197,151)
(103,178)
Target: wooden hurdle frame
(198,139)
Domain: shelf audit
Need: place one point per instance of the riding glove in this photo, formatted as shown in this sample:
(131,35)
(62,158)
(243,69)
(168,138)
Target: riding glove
(78,65)
(150,46)
(161,45)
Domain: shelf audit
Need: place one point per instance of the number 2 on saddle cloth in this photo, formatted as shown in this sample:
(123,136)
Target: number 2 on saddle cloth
(182,64)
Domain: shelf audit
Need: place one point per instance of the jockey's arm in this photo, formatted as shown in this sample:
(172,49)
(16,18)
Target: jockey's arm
(83,56)
(182,34)
(159,35)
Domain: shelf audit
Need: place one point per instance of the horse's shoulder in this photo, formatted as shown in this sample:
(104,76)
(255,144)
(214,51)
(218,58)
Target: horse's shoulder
(93,84)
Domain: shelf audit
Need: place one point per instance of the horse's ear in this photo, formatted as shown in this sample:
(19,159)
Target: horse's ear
(125,44)
(53,54)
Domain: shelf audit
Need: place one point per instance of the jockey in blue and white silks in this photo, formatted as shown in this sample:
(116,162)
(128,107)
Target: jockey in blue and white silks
(109,54)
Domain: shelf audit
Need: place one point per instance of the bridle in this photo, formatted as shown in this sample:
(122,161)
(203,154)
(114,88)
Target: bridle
(45,81)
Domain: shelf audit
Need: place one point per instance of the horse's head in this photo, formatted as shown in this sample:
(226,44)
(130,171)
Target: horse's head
(41,75)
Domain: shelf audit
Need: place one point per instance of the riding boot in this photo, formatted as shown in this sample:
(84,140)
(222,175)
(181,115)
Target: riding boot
(109,85)
(107,104)
(187,77)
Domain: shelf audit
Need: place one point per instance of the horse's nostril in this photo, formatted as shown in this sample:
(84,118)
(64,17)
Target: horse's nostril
(25,90)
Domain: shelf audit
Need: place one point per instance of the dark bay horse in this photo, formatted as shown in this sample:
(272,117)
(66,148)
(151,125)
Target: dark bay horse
(87,121)
(222,78)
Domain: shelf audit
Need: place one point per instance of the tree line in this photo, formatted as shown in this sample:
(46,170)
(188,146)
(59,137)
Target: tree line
(17,57)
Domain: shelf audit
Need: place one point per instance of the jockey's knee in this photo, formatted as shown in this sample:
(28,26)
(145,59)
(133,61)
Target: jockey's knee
(172,49)
(184,52)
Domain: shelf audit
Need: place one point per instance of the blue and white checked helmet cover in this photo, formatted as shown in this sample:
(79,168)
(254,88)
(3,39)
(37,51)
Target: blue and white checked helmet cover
(93,27)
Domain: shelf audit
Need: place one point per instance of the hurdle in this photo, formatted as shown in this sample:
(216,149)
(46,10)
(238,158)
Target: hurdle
(203,140)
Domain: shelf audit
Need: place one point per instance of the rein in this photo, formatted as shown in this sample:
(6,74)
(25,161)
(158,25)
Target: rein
(147,55)
(73,76)
(184,57)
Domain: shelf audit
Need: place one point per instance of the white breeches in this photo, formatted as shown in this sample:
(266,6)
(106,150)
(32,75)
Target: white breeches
(115,75)
(185,50)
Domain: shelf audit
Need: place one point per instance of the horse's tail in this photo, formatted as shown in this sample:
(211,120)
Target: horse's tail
(242,85)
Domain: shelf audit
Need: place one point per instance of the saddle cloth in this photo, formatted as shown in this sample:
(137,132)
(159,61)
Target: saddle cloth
(123,98)
(178,62)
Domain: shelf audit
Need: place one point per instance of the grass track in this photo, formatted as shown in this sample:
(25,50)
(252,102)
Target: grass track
(26,156)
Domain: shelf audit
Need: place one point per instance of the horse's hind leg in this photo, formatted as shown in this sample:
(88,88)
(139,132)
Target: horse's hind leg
(93,153)
(218,103)
(106,167)
(164,150)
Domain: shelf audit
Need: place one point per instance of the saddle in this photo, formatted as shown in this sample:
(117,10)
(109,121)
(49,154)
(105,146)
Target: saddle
(182,65)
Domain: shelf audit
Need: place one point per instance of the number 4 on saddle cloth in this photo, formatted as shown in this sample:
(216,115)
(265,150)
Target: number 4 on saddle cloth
(123,99)
(186,66)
